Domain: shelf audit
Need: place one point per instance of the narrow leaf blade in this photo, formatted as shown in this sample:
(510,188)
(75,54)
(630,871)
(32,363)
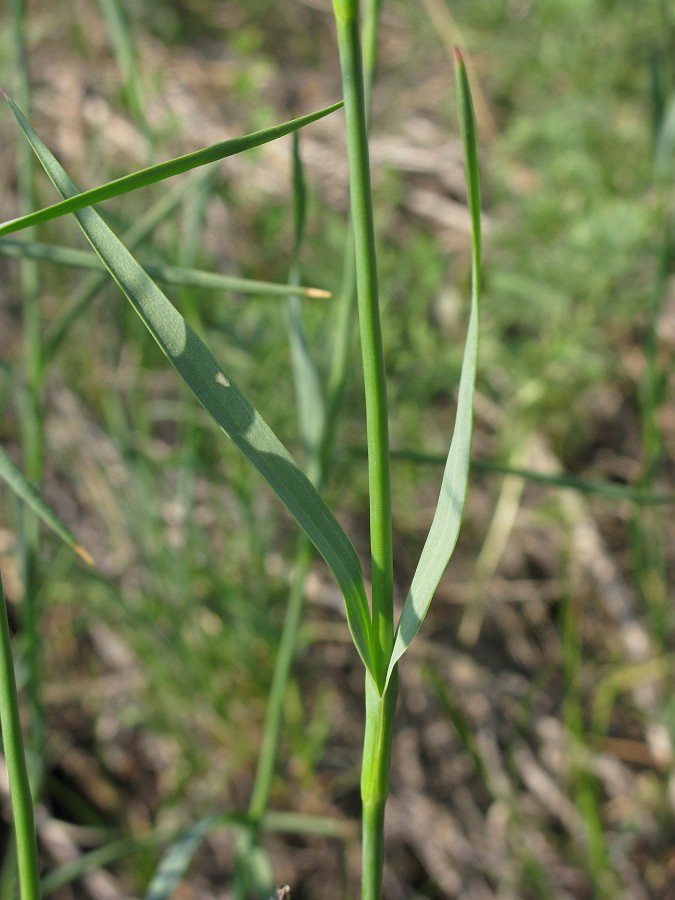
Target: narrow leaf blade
(163,170)
(17,481)
(220,396)
(178,856)
(444,530)
(179,275)
(308,389)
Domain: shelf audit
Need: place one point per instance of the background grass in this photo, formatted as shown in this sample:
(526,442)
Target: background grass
(533,757)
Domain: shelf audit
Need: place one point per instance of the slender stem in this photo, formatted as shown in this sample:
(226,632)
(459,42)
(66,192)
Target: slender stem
(347,20)
(318,467)
(345,308)
(31,412)
(380,712)
(17,774)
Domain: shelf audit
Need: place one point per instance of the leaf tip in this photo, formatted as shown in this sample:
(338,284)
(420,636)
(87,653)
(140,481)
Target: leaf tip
(459,59)
(4,93)
(84,554)
(317,293)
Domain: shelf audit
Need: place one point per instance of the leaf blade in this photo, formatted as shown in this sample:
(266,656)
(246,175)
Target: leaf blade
(444,531)
(161,171)
(219,395)
(178,275)
(17,481)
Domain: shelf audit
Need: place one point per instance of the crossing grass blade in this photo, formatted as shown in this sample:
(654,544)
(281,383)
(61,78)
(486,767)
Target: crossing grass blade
(181,275)
(17,481)
(444,530)
(161,171)
(216,390)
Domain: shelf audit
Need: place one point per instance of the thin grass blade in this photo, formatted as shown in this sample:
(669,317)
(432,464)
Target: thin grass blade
(123,47)
(17,481)
(161,171)
(178,856)
(179,275)
(219,395)
(444,530)
(308,390)
(74,870)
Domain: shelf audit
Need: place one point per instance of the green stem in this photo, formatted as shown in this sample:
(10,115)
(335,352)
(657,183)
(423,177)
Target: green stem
(31,412)
(377,743)
(17,774)
(347,20)
(318,464)
(380,710)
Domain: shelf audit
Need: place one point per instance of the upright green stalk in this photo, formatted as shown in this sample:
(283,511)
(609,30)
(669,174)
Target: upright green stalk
(375,767)
(31,412)
(346,16)
(17,774)
(380,709)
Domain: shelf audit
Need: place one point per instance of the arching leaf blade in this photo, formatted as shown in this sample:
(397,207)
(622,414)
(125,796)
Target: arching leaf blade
(447,520)
(161,171)
(219,395)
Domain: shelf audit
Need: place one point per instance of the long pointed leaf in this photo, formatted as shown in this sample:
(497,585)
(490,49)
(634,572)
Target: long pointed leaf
(18,482)
(83,259)
(308,389)
(220,396)
(444,529)
(163,170)
(178,856)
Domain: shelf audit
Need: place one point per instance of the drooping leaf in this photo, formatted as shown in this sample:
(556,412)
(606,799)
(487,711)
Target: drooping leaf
(216,390)
(444,530)
(17,481)
(163,170)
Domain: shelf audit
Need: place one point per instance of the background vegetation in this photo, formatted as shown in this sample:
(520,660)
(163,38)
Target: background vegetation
(534,749)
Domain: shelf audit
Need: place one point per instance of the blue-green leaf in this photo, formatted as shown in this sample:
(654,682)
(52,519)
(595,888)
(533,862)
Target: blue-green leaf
(161,171)
(444,530)
(216,390)
(17,481)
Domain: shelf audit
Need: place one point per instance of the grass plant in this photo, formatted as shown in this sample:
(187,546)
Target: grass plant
(547,351)
(372,629)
